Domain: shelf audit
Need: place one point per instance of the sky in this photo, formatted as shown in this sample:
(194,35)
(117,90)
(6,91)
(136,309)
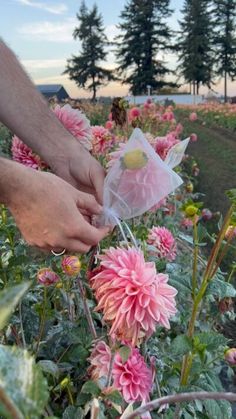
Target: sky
(40,34)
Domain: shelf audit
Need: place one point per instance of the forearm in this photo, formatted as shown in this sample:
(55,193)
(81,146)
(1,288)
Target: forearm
(24,111)
(13,179)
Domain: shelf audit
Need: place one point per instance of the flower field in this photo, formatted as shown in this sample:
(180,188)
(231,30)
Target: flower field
(141,322)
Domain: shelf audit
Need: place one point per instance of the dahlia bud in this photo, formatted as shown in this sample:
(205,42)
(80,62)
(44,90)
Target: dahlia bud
(46,276)
(230,232)
(71,265)
(230,356)
(189,187)
(206,214)
(191,210)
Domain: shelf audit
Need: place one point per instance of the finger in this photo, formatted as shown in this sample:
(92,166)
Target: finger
(87,202)
(91,235)
(97,179)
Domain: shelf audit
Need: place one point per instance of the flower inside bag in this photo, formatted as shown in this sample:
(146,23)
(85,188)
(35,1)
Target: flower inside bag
(137,181)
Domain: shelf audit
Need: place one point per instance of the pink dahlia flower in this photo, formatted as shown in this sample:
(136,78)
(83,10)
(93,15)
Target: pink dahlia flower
(132,296)
(164,242)
(109,125)
(193,117)
(193,138)
(102,139)
(134,113)
(100,360)
(164,144)
(24,155)
(46,276)
(132,378)
(76,123)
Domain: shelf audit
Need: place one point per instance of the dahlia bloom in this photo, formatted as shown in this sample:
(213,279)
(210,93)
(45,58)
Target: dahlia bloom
(134,113)
(193,117)
(71,265)
(24,155)
(164,242)
(46,276)
(100,360)
(132,378)
(109,124)
(193,138)
(102,139)
(164,144)
(76,123)
(132,296)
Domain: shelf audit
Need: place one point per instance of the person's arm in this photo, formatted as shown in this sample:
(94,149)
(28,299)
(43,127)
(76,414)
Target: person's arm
(24,111)
(47,210)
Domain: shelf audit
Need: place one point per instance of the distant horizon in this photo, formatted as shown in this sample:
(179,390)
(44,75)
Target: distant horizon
(40,34)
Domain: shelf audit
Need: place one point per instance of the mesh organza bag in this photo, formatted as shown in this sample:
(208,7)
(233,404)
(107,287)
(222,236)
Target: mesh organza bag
(137,181)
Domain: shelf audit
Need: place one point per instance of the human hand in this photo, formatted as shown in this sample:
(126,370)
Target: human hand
(49,213)
(80,169)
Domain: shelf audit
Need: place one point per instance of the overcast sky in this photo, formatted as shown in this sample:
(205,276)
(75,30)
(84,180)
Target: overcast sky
(40,33)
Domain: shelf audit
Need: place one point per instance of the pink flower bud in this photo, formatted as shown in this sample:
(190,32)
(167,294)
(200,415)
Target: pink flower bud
(230,356)
(230,232)
(71,265)
(206,214)
(46,276)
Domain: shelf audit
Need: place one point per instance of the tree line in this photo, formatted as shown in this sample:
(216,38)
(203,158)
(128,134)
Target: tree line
(205,44)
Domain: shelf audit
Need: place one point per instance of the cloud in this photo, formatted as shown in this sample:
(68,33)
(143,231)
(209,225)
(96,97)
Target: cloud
(56,9)
(49,31)
(111,32)
(35,65)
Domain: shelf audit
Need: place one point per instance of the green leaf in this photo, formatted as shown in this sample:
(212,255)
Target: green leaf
(115,397)
(211,340)
(221,289)
(213,409)
(181,345)
(22,381)
(124,352)
(49,367)
(73,412)
(90,387)
(9,298)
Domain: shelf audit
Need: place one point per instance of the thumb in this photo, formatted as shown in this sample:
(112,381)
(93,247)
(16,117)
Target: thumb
(87,202)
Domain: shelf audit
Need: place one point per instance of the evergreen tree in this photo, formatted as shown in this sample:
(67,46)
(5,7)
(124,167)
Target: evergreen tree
(225,40)
(195,46)
(144,34)
(85,69)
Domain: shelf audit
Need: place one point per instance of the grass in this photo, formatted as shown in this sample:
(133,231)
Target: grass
(215,152)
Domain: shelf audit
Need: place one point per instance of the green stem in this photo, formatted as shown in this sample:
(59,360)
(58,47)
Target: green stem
(195,260)
(43,318)
(70,395)
(9,406)
(188,359)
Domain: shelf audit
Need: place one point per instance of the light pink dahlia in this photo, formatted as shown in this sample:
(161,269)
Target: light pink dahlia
(131,295)
(102,139)
(164,144)
(132,378)
(24,155)
(164,242)
(100,360)
(76,123)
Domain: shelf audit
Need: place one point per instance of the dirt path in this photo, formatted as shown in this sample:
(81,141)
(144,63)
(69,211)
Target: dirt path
(215,152)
